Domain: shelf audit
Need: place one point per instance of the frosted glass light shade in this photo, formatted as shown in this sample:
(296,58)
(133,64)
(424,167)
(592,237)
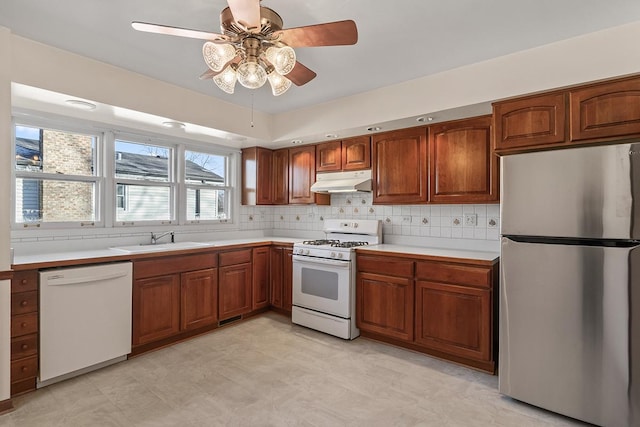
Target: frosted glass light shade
(279,83)
(283,59)
(251,75)
(226,80)
(217,55)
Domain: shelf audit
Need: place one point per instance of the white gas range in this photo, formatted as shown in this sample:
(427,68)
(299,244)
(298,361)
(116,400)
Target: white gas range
(324,276)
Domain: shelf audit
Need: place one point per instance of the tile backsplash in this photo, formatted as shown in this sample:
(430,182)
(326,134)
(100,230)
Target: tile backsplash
(477,222)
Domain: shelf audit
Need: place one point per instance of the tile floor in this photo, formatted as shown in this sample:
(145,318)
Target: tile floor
(267,372)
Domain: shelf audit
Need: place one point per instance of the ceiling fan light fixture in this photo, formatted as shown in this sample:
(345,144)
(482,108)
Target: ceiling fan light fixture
(251,75)
(282,58)
(217,55)
(279,83)
(226,80)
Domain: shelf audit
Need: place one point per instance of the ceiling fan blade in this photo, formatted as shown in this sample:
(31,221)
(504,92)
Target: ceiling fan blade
(300,75)
(329,34)
(177,31)
(246,13)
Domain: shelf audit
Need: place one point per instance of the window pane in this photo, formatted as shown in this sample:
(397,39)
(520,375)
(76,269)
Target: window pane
(142,161)
(52,151)
(205,168)
(206,204)
(143,203)
(40,200)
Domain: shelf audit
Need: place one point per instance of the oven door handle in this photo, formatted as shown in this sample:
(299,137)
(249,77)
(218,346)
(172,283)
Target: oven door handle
(320,261)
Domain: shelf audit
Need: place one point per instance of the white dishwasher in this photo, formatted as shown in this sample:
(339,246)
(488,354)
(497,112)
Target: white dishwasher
(85,319)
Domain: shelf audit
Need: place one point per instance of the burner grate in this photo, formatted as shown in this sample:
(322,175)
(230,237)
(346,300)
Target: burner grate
(348,244)
(320,242)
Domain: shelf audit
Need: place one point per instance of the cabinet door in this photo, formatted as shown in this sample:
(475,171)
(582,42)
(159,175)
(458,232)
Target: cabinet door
(384,305)
(260,297)
(234,290)
(463,167)
(156,308)
(530,122)
(257,172)
(606,110)
(287,279)
(400,166)
(276,277)
(329,156)
(454,319)
(280,177)
(356,153)
(302,174)
(199,298)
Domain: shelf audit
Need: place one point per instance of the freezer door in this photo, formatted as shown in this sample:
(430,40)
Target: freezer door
(569,330)
(589,192)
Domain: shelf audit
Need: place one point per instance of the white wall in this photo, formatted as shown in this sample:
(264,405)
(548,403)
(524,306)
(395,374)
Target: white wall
(5,196)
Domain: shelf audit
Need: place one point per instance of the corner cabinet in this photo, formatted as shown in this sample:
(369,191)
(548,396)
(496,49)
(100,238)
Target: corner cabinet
(441,307)
(265,176)
(463,167)
(400,168)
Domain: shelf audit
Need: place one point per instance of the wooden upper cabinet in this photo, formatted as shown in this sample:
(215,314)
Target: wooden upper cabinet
(280,176)
(356,153)
(302,174)
(329,156)
(347,155)
(605,110)
(529,122)
(257,188)
(400,166)
(463,168)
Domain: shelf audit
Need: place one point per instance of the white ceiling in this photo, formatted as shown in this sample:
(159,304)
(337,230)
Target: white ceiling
(399,40)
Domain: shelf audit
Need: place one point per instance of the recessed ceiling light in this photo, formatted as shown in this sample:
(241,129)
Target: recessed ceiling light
(296,141)
(423,119)
(374,128)
(331,135)
(83,105)
(429,119)
(173,125)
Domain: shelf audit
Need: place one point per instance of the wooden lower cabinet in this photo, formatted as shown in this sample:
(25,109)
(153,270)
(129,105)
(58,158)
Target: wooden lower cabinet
(199,298)
(260,279)
(24,331)
(234,283)
(281,259)
(385,305)
(442,308)
(454,319)
(156,303)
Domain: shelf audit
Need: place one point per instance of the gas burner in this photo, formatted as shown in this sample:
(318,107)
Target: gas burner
(320,242)
(348,244)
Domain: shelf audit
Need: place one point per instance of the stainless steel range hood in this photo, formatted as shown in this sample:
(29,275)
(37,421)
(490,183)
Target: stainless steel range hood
(342,182)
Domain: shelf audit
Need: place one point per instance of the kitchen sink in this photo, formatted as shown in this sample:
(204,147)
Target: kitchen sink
(161,247)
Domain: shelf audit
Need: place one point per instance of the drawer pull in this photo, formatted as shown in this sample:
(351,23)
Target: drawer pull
(23,325)
(25,346)
(23,281)
(23,369)
(24,303)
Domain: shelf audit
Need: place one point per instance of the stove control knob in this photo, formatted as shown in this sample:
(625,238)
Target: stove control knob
(306,252)
(333,254)
(340,255)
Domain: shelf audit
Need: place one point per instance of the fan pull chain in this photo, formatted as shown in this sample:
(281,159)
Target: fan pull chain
(251,109)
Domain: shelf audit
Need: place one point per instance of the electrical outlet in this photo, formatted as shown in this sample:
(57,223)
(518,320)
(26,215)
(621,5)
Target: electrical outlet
(470,220)
(406,219)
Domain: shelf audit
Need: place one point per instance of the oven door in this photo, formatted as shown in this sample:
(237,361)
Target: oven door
(322,285)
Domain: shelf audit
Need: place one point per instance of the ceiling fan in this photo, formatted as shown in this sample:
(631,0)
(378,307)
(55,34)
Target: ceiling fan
(254,48)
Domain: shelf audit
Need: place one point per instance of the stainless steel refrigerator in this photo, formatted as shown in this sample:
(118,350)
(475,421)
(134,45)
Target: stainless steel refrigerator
(570,282)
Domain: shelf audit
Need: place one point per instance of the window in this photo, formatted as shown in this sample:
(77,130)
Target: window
(207,185)
(144,182)
(55,177)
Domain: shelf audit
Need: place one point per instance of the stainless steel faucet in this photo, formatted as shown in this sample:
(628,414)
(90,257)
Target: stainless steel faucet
(155,237)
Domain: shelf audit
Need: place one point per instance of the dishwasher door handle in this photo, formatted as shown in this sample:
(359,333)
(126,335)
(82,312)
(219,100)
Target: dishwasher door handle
(59,279)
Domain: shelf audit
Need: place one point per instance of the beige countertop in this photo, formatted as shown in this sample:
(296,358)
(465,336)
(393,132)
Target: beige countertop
(491,257)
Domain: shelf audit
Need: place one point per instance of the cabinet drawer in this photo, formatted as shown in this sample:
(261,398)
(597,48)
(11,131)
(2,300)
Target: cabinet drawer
(24,302)
(452,273)
(24,346)
(24,368)
(173,264)
(385,265)
(24,324)
(23,386)
(235,257)
(24,281)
